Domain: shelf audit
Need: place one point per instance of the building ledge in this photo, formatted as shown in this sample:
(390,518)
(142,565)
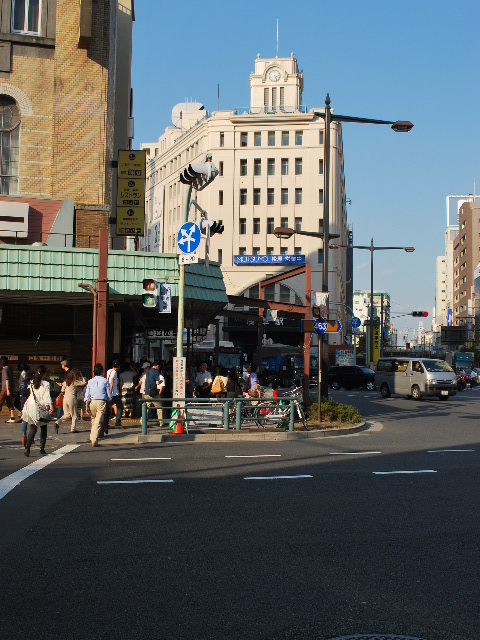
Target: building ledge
(20,38)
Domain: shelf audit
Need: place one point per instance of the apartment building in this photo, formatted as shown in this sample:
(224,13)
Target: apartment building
(270,157)
(466,256)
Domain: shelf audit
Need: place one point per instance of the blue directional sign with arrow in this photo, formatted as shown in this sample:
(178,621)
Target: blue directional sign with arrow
(188,238)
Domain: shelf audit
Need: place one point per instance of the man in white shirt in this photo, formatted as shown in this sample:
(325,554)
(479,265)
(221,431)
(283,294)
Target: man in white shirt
(117,406)
(203,383)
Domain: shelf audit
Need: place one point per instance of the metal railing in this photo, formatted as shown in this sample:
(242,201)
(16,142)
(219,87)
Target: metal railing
(231,413)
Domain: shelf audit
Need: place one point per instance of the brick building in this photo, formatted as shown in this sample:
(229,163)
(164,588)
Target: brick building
(65,110)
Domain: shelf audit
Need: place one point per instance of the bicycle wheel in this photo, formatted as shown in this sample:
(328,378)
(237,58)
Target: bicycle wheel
(269,414)
(301,414)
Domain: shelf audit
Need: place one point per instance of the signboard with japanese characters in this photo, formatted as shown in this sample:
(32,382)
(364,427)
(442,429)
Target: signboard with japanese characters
(131,193)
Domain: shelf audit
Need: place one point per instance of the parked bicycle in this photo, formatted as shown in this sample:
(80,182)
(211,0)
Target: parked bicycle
(275,413)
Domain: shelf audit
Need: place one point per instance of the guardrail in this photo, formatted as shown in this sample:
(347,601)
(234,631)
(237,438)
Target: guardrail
(230,407)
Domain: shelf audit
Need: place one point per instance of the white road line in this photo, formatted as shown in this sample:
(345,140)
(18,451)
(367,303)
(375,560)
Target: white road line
(354,453)
(132,481)
(276,477)
(449,450)
(391,473)
(267,455)
(14,479)
(135,459)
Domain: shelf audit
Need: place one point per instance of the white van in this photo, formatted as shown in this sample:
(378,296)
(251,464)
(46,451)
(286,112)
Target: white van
(415,377)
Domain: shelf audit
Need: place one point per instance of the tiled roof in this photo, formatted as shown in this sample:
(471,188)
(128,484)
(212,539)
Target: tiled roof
(41,217)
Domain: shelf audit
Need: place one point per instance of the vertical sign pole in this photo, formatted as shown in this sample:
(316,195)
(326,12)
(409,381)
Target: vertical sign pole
(181,285)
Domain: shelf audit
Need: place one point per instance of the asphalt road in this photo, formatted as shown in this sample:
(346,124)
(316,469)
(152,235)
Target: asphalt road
(373,533)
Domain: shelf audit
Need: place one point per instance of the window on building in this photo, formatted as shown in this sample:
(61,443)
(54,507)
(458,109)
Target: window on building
(297,251)
(222,139)
(257,139)
(285,138)
(320,167)
(284,166)
(243,167)
(298,166)
(255,251)
(220,197)
(298,137)
(242,251)
(220,256)
(256,196)
(270,195)
(298,224)
(256,226)
(283,251)
(270,225)
(9,145)
(26,16)
(298,196)
(243,196)
(220,168)
(271,138)
(242,227)
(284,196)
(320,256)
(269,251)
(320,196)
(269,292)
(243,139)
(284,222)
(271,166)
(321,137)
(257,167)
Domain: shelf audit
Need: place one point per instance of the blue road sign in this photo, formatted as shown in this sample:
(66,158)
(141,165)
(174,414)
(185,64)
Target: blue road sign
(356,323)
(319,327)
(188,238)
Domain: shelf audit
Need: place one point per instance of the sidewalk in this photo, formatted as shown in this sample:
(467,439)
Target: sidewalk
(131,433)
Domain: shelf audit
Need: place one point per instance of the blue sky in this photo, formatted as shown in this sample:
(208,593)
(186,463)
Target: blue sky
(416,61)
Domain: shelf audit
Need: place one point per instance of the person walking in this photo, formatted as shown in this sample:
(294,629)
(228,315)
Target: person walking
(97,395)
(154,387)
(39,396)
(23,393)
(203,382)
(127,388)
(70,387)
(65,364)
(117,406)
(6,393)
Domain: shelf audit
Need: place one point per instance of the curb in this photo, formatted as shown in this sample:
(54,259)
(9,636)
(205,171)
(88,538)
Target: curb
(249,436)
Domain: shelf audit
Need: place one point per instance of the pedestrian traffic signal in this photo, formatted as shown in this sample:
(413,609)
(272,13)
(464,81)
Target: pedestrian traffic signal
(419,314)
(215,227)
(150,293)
(199,175)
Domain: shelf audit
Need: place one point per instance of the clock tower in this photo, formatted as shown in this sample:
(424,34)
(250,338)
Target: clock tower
(276,85)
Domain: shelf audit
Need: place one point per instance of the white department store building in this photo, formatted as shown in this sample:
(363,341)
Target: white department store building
(270,158)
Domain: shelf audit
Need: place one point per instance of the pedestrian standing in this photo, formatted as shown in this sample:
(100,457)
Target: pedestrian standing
(65,364)
(203,383)
(40,395)
(97,395)
(6,393)
(70,387)
(127,388)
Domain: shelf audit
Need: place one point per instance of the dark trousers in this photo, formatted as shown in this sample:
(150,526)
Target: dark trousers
(43,434)
(117,401)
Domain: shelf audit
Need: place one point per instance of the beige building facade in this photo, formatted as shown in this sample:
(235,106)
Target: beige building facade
(271,161)
(466,256)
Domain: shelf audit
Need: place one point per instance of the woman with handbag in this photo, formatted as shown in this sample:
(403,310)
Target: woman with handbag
(219,385)
(38,410)
(70,387)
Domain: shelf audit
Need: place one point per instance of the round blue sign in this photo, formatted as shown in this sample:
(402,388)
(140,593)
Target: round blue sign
(188,238)
(319,327)
(356,323)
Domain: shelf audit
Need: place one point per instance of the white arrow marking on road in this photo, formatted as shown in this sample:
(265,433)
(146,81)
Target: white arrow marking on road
(276,477)
(14,479)
(391,473)
(131,481)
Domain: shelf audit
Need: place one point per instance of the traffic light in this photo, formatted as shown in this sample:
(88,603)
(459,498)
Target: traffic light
(419,314)
(199,175)
(215,227)
(150,293)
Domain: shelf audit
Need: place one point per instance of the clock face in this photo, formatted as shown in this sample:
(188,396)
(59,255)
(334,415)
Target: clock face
(274,75)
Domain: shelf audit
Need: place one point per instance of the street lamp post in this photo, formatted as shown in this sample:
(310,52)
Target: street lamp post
(372,248)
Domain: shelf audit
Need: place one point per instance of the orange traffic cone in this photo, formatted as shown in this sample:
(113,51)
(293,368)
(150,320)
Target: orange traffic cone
(178,427)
